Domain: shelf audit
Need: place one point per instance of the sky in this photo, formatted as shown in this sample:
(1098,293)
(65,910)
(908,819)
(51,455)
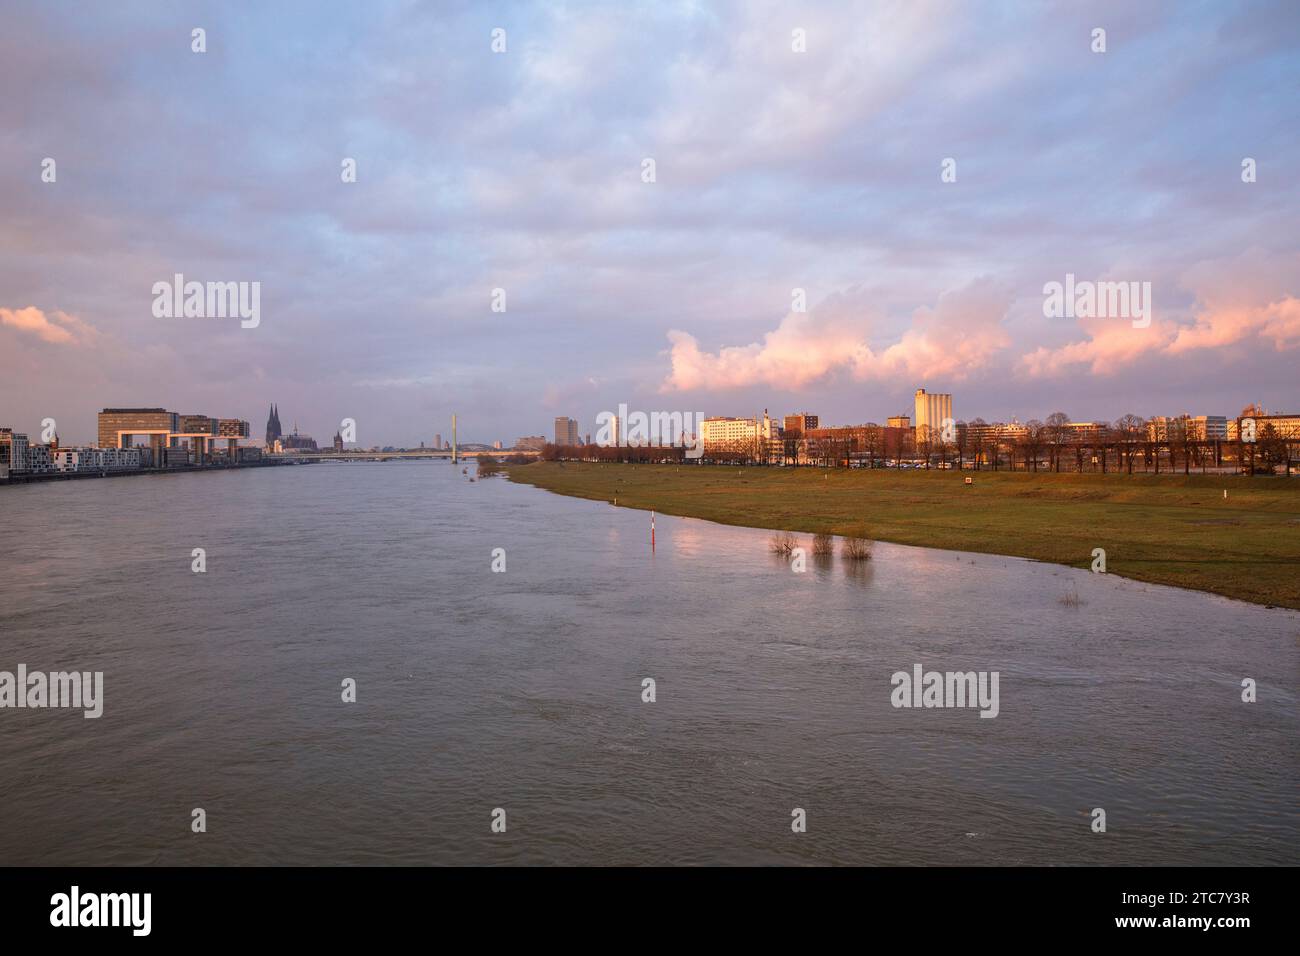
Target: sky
(776,169)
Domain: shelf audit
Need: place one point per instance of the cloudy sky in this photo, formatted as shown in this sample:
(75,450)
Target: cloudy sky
(774,170)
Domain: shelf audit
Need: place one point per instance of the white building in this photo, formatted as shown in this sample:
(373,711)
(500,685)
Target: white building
(931,410)
(95,459)
(718,432)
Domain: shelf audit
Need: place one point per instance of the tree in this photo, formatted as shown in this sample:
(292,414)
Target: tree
(1128,430)
(1056,433)
(1035,435)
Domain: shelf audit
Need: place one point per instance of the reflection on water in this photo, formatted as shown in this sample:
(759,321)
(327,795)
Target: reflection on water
(522,690)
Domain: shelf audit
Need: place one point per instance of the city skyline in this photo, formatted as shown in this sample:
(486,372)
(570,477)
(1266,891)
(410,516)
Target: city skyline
(784,255)
(93,432)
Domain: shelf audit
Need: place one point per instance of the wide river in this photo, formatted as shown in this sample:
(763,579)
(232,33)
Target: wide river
(522,690)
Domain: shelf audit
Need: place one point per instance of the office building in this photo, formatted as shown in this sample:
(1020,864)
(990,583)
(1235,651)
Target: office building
(721,432)
(566,431)
(802,423)
(119,427)
(13,450)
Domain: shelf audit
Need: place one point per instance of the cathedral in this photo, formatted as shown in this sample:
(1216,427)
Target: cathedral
(273,431)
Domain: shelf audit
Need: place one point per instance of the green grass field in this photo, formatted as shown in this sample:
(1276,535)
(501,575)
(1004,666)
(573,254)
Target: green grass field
(1167,529)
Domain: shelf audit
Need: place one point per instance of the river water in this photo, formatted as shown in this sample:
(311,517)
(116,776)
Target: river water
(522,690)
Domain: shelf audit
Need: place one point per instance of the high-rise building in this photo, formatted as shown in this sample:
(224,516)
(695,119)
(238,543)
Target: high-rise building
(117,426)
(898,421)
(931,410)
(566,431)
(437,441)
(802,423)
(13,449)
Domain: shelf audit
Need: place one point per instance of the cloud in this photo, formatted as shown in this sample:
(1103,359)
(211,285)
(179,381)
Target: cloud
(961,334)
(1277,323)
(1111,344)
(1238,300)
(63,330)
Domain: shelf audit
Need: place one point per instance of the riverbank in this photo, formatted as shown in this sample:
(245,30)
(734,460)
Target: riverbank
(27,478)
(1172,530)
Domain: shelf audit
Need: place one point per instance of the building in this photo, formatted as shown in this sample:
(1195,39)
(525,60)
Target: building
(1000,433)
(531,443)
(68,459)
(723,432)
(1210,427)
(338,442)
(1282,426)
(273,431)
(297,442)
(1163,428)
(39,460)
(566,431)
(13,450)
(96,459)
(1086,432)
(801,423)
(898,421)
(119,427)
(437,441)
(931,410)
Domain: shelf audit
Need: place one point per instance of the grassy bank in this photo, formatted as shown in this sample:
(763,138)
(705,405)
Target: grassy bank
(1167,529)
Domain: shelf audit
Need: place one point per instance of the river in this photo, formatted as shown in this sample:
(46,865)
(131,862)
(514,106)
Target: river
(522,690)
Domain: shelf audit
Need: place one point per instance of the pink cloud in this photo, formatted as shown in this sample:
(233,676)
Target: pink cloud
(64,329)
(960,334)
(1247,297)
(1277,323)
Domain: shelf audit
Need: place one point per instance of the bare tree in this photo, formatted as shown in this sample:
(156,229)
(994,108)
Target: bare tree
(1055,433)
(1128,430)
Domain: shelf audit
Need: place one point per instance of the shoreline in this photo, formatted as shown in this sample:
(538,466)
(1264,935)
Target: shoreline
(1159,531)
(30,478)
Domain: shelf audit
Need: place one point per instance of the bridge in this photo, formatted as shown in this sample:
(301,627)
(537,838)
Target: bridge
(359,455)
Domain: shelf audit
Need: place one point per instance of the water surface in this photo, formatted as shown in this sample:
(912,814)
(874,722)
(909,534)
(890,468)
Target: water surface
(522,690)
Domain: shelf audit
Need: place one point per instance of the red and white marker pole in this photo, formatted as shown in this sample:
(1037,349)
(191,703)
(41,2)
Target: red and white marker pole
(652,532)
